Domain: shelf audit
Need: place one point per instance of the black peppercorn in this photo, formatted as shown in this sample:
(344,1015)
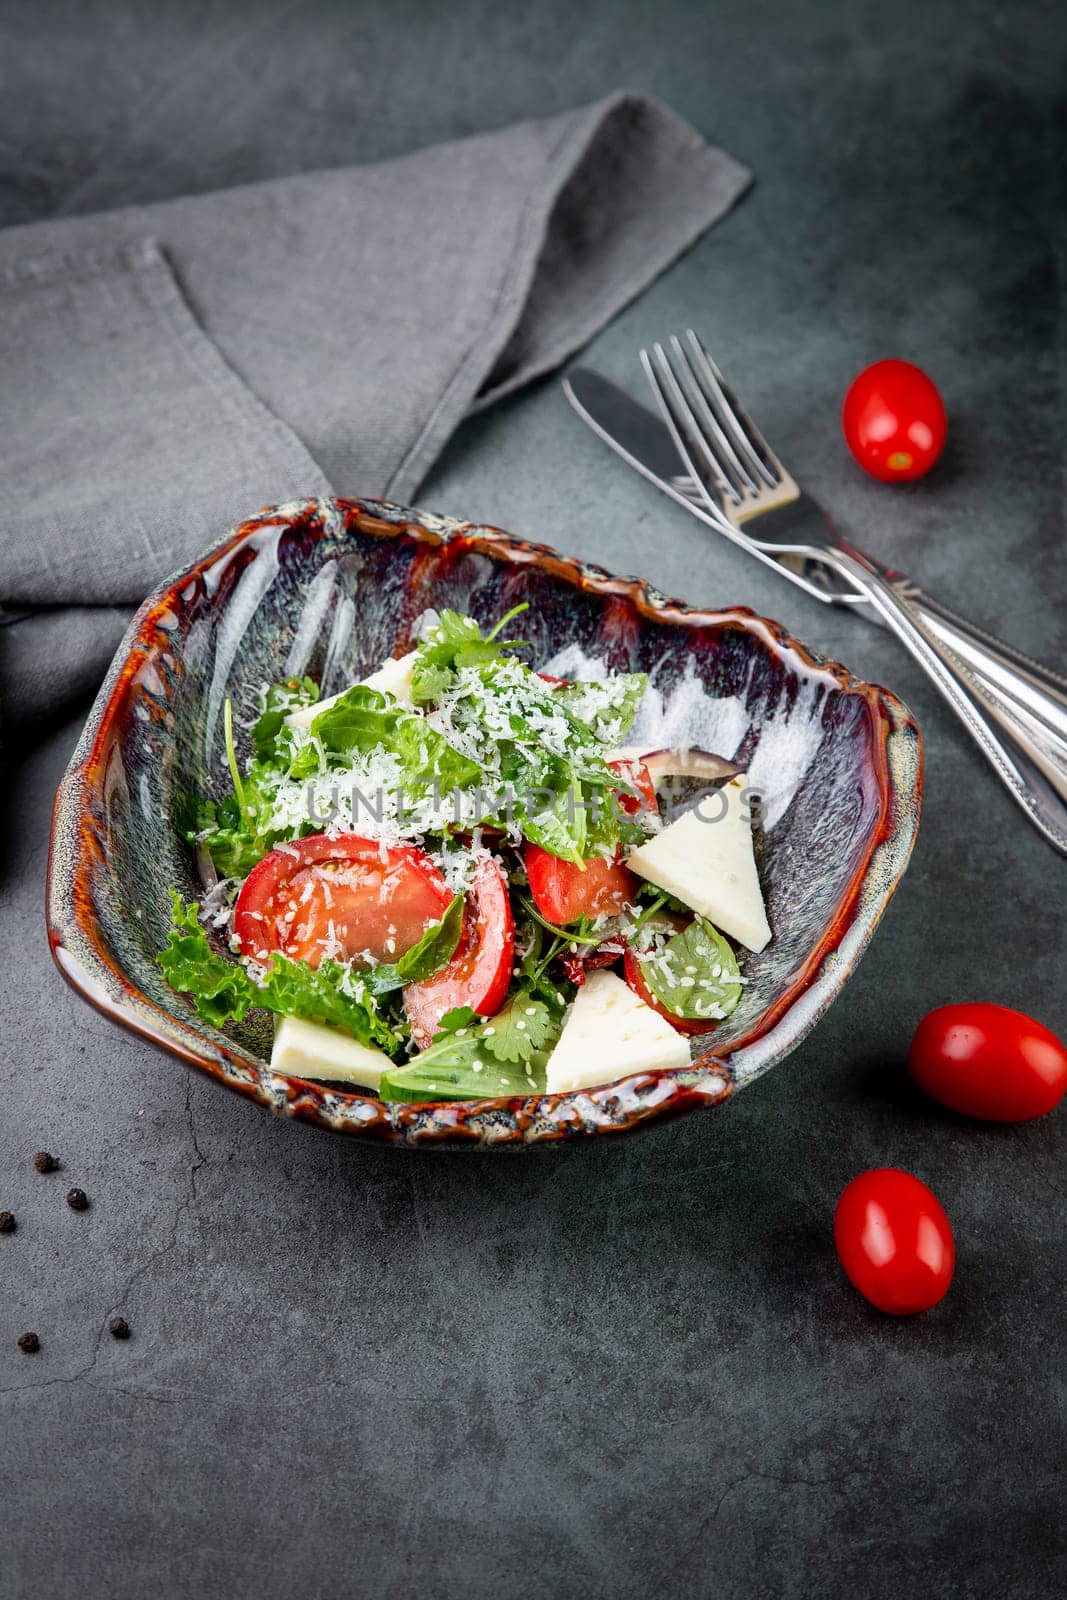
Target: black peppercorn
(77,1199)
(29,1343)
(119,1328)
(44,1162)
(7,1222)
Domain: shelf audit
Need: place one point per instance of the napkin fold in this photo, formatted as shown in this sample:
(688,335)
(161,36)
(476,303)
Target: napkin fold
(168,369)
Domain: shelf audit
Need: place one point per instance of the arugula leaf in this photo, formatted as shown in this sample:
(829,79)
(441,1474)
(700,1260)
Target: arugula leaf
(433,951)
(452,643)
(279,699)
(239,836)
(548,756)
(367,721)
(606,708)
(694,974)
(223,991)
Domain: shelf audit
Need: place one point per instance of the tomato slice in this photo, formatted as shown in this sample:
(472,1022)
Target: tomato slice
(563,892)
(631,971)
(344,897)
(480,969)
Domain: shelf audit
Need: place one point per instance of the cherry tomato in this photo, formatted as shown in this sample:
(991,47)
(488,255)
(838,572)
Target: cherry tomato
(563,891)
(631,971)
(894,1241)
(339,896)
(894,421)
(989,1062)
(480,969)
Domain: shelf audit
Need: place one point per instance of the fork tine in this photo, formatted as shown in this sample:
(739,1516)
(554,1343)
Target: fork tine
(745,432)
(729,460)
(684,428)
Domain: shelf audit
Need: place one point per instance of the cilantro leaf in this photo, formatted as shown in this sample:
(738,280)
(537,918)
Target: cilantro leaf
(694,974)
(520,1031)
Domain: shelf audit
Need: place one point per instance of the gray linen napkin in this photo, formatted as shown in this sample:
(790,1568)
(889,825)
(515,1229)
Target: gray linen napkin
(168,369)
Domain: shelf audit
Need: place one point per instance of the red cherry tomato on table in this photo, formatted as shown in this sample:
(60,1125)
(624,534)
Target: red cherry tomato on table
(894,421)
(480,969)
(324,896)
(989,1061)
(894,1241)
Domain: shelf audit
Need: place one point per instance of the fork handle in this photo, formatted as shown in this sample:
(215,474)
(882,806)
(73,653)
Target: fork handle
(1006,670)
(1027,756)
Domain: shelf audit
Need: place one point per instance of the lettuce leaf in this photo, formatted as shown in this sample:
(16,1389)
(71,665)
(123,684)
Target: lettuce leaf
(224,991)
(279,699)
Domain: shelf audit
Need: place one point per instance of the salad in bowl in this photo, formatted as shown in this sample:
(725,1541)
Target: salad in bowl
(456,880)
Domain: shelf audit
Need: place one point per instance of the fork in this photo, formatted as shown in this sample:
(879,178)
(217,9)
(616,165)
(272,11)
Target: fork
(1013,711)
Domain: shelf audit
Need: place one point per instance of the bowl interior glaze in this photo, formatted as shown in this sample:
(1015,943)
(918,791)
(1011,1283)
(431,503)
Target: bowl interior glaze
(332,587)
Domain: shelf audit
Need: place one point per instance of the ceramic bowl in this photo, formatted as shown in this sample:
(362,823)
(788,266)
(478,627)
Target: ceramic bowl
(331,588)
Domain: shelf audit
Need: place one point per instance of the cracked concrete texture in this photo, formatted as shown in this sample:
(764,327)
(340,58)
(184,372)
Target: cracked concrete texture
(634,1368)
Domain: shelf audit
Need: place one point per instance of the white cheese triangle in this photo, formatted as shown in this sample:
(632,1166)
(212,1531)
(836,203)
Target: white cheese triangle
(609,1034)
(392,677)
(309,1050)
(705,859)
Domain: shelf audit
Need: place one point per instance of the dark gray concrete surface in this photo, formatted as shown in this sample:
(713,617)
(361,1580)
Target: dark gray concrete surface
(630,1369)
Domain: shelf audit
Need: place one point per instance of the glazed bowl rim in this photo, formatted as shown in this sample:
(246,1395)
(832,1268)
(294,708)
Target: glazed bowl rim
(80,952)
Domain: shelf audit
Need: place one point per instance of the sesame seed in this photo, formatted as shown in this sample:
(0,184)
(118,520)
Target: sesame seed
(520,1024)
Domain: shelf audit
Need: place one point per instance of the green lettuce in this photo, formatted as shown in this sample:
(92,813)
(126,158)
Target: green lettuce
(223,990)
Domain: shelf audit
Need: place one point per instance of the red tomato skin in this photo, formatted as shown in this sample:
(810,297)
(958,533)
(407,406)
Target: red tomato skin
(894,421)
(631,971)
(479,972)
(637,775)
(563,892)
(894,1241)
(255,921)
(989,1062)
